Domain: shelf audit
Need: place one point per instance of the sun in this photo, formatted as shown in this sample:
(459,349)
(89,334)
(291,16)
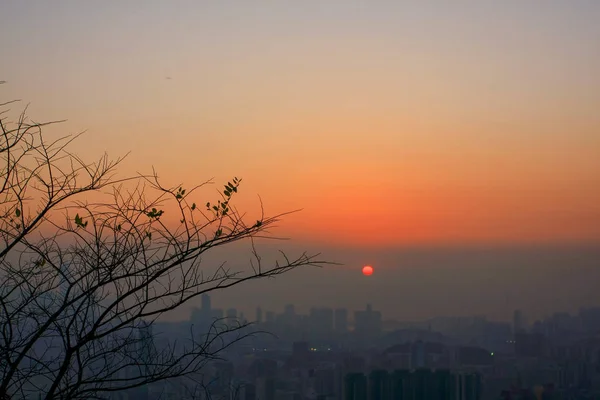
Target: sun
(367,270)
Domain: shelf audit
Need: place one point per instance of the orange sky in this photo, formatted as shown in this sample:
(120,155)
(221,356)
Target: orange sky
(481,128)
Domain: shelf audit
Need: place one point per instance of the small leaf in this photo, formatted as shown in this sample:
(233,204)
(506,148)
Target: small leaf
(18,212)
(193,206)
(79,221)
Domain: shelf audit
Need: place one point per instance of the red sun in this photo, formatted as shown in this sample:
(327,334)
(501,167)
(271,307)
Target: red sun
(367,270)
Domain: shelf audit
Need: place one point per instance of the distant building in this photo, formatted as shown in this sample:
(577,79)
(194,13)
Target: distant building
(519,324)
(289,309)
(530,344)
(202,317)
(367,323)
(419,384)
(321,321)
(355,387)
(289,316)
(265,388)
(270,317)
(206,304)
(232,316)
(340,321)
(380,385)
(418,354)
(325,381)
(259,315)
(245,391)
(474,356)
(590,319)
(300,353)
(216,314)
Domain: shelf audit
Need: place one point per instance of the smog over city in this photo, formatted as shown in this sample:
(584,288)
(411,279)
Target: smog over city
(300,200)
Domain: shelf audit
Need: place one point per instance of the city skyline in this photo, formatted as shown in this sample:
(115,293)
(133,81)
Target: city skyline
(464,135)
(300,200)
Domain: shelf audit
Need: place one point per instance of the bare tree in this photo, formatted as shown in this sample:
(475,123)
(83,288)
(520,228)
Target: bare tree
(82,282)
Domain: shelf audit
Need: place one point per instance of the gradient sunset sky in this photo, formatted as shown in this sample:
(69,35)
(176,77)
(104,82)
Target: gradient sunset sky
(390,123)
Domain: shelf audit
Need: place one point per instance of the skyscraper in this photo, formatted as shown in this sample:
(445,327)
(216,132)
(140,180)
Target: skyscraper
(231,316)
(367,323)
(206,304)
(289,309)
(265,388)
(258,315)
(355,387)
(380,385)
(270,317)
(341,320)
(518,322)
(145,356)
(401,384)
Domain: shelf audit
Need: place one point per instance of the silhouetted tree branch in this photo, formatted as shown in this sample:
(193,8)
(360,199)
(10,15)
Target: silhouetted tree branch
(82,282)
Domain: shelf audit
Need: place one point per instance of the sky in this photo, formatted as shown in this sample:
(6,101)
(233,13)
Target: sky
(392,125)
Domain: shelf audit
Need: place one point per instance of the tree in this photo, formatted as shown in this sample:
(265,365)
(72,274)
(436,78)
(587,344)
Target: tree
(82,282)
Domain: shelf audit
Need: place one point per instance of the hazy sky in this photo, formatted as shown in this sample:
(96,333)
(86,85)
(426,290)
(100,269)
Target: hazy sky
(392,124)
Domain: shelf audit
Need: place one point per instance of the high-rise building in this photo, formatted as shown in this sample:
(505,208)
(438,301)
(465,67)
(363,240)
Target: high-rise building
(269,317)
(367,323)
(421,384)
(401,384)
(300,352)
(259,315)
(519,325)
(146,343)
(289,309)
(202,317)
(205,304)
(223,376)
(355,387)
(380,385)
(265,388)
(320,321)
(231,316)
(530,344)
(341,320)
(468,387)
(216,313)
(247,391)
(325,381)
(444,384)
(144,354)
